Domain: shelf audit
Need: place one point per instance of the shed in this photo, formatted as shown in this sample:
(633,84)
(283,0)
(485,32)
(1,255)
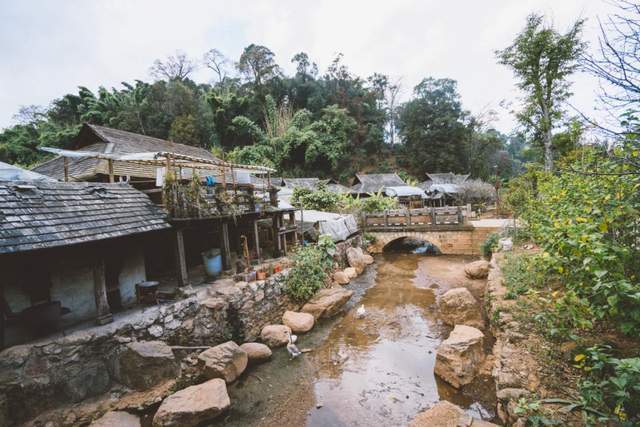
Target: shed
(106,140)
(70,252)
(407,195)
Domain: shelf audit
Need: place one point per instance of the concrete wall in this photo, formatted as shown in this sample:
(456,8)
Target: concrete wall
(73,287)
(133,271)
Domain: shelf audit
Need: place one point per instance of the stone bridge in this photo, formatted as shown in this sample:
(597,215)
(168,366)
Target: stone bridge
(450,240)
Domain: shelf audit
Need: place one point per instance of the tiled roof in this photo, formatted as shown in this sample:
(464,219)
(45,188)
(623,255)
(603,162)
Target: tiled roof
(375,182)
(38,215)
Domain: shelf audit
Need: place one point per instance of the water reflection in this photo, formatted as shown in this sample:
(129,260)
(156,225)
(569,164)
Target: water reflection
(379,369)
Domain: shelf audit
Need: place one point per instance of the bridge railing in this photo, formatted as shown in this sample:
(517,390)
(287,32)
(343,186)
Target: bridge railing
(415,217)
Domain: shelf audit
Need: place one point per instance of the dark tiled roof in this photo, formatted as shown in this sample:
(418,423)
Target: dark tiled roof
(374,182)
(106,140)
(38,215)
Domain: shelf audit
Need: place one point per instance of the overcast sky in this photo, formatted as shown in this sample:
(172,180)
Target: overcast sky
(49,48)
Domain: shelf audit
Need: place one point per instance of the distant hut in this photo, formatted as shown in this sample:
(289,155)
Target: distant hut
(366,184)
(70,252)
(407,196)
(444,189)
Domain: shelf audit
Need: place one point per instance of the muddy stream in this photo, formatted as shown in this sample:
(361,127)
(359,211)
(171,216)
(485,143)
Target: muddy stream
(375,370)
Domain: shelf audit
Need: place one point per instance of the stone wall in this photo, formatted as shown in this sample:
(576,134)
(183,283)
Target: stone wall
(456,241)
(51,372)
(37,376)
(515,370)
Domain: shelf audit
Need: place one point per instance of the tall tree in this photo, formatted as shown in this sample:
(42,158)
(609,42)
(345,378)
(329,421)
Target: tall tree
(435,129)
(542,60)
(175,67)
(616,61)
(218,63)
(258,64)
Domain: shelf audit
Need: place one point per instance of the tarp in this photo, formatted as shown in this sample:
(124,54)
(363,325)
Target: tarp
(14,173)
(404,191)
(338,226)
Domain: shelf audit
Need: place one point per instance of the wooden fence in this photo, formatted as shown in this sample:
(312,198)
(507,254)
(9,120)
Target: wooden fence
(415,217)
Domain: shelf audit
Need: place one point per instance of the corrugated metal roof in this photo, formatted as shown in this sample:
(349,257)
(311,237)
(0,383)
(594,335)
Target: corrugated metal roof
(38,215)
(14,173)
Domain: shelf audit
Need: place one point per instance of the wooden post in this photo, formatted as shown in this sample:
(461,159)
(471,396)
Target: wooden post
(226,247)
(181,261)
(277,223)
(111,177)
(104,315)
(66,169)
(256,236)
(386,219)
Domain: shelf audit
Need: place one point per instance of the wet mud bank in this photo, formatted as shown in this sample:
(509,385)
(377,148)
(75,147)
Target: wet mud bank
(371,369)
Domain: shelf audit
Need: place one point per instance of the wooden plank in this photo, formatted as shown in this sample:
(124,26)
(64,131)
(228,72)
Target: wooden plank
(256,237)
(226,249)
(104,315)
(181,261)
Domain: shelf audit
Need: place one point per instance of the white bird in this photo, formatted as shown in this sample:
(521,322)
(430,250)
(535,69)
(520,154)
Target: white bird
(292,348)
(360,312)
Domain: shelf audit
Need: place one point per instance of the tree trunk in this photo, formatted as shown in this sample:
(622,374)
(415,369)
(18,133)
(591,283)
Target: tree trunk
(546,136)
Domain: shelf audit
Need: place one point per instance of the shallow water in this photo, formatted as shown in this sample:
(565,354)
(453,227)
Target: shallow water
(375,370)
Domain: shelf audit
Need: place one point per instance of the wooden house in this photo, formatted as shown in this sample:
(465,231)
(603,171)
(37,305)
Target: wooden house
(70,252)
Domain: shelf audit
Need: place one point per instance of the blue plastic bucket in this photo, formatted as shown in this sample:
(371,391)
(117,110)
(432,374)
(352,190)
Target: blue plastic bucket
(212,260)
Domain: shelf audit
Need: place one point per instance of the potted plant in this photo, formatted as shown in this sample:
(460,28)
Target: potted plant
(261,275)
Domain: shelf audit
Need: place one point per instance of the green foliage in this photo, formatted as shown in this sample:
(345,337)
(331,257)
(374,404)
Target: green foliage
(524,272)
(320,199)
(489,245)
(311,267)
(542,60)
(374,202)
(611,386)
(434,128)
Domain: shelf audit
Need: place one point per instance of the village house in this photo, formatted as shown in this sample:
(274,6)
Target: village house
(444,189)
(70,252)
(224,216)
(365,184)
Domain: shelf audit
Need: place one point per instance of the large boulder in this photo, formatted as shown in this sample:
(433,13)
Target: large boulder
(442,414)
(256,352)
(298,322)
(351,272)
(446,414)
(458,307)
(144,364)
(227,361)
(275,335)
(341,278)
(117,419)
(327,302)
(367,259)
(355,259)
(193,405)
(460,356)
(477,269)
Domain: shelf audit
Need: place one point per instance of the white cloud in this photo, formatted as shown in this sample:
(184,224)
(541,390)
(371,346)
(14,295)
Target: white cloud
(50,48)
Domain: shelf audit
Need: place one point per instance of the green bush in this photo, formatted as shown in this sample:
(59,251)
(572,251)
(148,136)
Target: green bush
(611,386)
(489,245)
(523,272)
(587,226)
(311,267)
(320,199)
